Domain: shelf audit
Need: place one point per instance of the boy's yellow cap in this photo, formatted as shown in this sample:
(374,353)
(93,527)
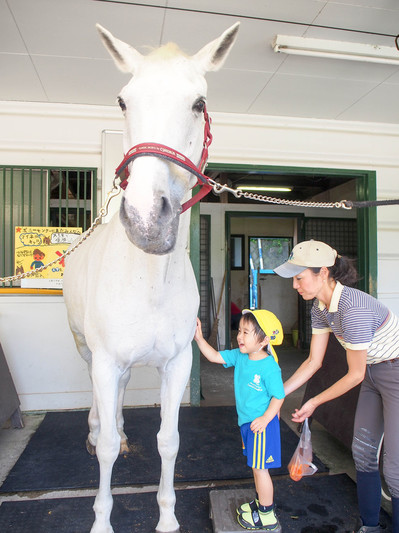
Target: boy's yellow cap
(270,325)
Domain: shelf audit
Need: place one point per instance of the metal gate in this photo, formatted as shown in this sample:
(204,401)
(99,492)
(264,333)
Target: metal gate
(31,196)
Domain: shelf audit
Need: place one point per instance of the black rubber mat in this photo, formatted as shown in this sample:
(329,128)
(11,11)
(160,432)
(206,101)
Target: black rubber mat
(131,513)
(318,504)
(210,449)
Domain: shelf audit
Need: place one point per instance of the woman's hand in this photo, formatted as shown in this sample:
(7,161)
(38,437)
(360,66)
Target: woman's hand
(356,368)
(305,411)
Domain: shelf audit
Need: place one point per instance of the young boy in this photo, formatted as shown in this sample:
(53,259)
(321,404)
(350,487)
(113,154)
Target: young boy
(259,394)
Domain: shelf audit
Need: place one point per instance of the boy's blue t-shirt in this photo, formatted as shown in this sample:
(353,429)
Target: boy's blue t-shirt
(255,383)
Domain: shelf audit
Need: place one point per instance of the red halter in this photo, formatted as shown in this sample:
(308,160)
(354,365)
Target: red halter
(164,152)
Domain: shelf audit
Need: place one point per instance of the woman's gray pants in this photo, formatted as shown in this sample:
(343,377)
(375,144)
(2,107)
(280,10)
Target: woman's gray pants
(377,413)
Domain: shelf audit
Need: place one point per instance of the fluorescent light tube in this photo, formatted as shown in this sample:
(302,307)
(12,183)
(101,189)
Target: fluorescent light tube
(263,188)
(307,46)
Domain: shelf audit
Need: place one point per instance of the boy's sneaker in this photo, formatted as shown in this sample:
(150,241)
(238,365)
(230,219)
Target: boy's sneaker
(258,521)
(248,507)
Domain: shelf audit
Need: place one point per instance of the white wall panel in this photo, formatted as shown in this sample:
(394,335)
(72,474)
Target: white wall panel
(46,368)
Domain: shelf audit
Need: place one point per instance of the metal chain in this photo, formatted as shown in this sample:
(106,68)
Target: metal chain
(238,193)
(102,213)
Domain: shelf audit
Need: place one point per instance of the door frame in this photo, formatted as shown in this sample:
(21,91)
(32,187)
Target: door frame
(366,234)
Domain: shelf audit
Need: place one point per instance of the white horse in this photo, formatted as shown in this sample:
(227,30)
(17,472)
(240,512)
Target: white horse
(130,289)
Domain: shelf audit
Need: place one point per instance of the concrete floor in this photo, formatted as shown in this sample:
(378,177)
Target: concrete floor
(217,389)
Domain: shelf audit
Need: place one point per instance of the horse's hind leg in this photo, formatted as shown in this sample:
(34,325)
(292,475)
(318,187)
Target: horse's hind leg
(94,427)
(93,419)
(124,448)
(174,381)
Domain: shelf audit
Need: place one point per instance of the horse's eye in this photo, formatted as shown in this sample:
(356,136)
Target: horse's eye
(199,106)
(121,103)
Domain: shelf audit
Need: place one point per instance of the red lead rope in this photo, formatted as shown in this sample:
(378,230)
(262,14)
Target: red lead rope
(164,152)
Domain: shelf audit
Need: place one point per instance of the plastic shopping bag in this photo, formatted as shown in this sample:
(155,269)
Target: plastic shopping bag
(301,462)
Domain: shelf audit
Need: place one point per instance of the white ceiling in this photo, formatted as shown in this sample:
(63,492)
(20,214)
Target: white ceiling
(50,52)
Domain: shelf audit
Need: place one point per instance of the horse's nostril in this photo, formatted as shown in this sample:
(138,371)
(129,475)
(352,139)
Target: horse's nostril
(166,208)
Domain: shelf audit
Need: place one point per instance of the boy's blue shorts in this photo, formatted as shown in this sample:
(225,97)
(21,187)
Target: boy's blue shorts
(263,450)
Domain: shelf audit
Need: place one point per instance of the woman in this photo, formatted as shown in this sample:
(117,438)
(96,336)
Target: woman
(369,332)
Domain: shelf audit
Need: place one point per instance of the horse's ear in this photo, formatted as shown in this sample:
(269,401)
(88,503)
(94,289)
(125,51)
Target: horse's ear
(126,57)
(213,55)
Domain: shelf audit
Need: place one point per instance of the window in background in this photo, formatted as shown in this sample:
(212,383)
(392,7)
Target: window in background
(265,254)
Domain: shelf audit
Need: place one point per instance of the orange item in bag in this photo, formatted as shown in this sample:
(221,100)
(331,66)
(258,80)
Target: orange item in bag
(301,462)
(296,472)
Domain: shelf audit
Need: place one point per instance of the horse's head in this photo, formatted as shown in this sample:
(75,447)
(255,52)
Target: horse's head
(163,103)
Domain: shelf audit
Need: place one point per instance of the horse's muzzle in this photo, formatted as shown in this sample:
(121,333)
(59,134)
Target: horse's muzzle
(155,235)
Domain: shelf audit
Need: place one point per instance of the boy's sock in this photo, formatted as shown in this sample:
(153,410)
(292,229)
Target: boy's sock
(265,508)
(267,514)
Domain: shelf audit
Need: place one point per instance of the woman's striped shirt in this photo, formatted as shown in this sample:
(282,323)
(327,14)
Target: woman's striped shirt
(359,322)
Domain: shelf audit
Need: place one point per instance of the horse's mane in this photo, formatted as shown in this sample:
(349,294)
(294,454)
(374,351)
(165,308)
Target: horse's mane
(167,51)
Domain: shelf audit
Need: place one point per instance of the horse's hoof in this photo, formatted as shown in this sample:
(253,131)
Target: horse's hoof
(90,448)
(125,448)
(167,530)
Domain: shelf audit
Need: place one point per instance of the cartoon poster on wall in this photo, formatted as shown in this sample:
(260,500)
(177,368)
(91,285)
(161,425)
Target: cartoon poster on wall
(36,246)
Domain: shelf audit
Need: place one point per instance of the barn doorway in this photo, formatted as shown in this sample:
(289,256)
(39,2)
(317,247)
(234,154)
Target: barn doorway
(353,233)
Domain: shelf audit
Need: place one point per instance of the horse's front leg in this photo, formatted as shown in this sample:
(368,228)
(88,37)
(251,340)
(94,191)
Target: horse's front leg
(120,421)
(174,381)
(105,377)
